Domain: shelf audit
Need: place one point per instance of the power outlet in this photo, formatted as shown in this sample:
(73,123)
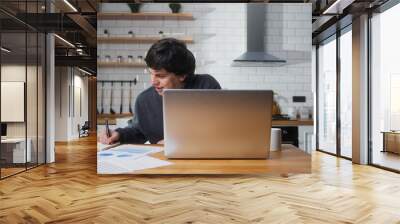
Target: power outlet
(299,99)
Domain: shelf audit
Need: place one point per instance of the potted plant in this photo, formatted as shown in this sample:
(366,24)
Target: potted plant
(175,7)
(134,7)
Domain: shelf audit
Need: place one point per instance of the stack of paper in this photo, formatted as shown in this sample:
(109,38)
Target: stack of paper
(128,158)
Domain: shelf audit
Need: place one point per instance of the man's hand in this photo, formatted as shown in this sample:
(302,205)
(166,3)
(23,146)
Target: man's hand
(108,140)
(161,142)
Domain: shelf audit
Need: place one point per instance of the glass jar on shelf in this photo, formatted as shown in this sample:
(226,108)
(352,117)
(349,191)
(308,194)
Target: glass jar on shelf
(310,112)
(161,34)
(107,58)
(304,113)
(106,33)
(292,112)
(130,58)
(139,59)
(119,59)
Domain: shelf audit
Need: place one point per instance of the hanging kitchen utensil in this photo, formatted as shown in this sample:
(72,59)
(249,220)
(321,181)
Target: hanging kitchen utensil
(130,97)
(111,100)
(102,98)
(122,97)
(97,107)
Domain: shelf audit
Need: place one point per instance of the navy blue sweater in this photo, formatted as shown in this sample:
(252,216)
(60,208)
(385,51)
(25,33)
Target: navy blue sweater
(147,124)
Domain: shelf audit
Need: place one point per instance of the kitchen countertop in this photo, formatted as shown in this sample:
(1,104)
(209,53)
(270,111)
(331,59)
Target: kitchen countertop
(298,122)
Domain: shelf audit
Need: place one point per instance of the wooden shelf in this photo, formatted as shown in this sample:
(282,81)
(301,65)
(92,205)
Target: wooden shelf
(144,16)
(112,118)
(102,121)
(125,40)
(120,65)
(300,122)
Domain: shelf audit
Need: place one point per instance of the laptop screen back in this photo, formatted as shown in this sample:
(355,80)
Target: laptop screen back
(217,123)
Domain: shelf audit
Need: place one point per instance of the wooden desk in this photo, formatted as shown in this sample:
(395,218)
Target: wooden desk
(289,160)
(13,150)
(391,141)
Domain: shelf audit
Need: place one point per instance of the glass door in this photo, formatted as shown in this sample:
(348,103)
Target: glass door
(326,129)
(22,77)
(14,154)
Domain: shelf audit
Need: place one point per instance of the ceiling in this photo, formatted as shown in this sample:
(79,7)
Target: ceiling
(211,1)
(72,20)
(77,24)
(329,16)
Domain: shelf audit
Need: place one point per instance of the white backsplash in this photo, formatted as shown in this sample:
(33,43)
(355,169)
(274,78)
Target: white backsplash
(219,33)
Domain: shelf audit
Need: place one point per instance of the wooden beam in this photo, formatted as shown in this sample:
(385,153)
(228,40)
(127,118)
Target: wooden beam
(84,24)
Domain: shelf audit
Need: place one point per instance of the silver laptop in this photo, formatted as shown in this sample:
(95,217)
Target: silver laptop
(217,123)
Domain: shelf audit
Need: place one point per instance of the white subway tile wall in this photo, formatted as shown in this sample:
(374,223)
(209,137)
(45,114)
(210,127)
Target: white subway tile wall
(219,34)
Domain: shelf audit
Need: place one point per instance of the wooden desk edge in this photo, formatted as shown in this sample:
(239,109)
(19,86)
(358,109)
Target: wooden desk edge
(295,161)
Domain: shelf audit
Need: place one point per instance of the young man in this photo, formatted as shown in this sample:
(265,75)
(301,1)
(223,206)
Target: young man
(171,66)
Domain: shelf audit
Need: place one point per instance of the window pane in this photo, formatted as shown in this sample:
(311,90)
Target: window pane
(385,87)
(345,94)
(327,97)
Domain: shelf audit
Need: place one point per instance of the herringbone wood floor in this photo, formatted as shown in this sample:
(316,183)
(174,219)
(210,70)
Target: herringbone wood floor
(70,191)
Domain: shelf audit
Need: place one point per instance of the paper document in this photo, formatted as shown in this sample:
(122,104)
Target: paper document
(112,154)
(141,149)
(101,146)
(124,165)
(128,158)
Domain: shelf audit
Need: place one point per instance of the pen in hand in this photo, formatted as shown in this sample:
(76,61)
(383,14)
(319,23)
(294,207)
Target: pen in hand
(108,132)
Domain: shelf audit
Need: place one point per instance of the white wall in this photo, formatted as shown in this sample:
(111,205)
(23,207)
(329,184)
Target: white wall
(61,103)
(80,84)
(18,73)
(219,32)
(33,125)
(69,79)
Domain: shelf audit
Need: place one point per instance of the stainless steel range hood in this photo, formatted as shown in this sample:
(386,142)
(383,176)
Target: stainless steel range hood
(255,37)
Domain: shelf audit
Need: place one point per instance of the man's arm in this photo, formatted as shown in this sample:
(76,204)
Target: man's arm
(131,134)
